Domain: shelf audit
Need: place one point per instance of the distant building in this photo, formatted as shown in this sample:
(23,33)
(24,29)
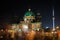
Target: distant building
(30,22)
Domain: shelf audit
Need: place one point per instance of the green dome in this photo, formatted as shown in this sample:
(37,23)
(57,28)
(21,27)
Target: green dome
(29,13)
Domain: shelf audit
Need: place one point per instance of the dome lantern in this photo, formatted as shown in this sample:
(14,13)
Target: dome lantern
(29,9)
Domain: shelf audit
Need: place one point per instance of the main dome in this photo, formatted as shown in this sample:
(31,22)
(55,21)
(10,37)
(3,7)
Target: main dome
(29,13)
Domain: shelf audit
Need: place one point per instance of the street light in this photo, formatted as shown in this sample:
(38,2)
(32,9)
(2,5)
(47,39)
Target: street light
(57,27)
(53,29)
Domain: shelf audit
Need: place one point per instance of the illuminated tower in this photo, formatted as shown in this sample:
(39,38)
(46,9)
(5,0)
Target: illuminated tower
(53,20)
(38,21)
(38,17)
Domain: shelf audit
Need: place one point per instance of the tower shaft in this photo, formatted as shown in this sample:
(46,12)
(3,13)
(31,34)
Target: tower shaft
(53,20)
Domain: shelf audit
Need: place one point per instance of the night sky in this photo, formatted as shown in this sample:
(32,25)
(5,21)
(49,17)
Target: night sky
(13,11)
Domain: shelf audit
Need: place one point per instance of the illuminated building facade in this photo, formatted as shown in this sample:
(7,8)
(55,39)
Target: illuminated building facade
(29,22)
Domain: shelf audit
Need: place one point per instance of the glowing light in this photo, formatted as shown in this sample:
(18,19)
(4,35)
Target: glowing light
(29,9)
(25,27)
(55,32)
(47,27)
(19,30)
(53,29)
(25,19)
(38,13)
(57,27)
(37,29)
(52,32)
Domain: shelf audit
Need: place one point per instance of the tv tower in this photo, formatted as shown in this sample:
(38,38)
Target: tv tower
(53,14)
(53,20)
